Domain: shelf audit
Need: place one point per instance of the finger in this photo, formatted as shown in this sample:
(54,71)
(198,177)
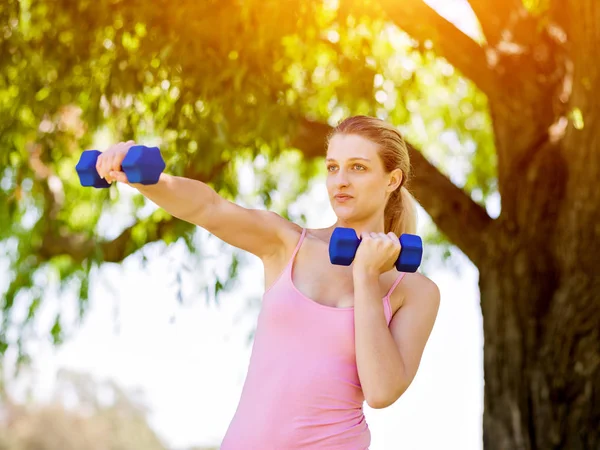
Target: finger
(104,163)
(103,171)
(121,154)
(396,244)
(120,147)
(384,238)
(119,176)
(115,162)
(126,145)
(112,166)
(391,236)
(99,166)
(108,178)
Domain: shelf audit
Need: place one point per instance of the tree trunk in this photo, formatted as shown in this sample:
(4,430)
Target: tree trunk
(540,280)
(541,370)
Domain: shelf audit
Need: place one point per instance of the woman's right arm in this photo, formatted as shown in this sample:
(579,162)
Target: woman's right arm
(262,233)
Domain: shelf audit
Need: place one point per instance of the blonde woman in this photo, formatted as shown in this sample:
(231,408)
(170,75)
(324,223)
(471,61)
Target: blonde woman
(328,337)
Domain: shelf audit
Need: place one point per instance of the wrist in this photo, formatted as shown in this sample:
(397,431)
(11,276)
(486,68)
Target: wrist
(366,290)
(163,180)
(360,273)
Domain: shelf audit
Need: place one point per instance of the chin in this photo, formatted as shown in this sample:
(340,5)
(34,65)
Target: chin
(344,213)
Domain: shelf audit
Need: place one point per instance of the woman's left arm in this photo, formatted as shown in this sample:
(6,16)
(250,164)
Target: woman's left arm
(388,358)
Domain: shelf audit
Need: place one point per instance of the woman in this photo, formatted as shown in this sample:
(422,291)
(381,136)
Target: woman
(328,337)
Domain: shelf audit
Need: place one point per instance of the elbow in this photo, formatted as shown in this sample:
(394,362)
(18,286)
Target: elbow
(379,404)
(383,400)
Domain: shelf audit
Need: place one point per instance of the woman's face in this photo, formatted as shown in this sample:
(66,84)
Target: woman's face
(357,183)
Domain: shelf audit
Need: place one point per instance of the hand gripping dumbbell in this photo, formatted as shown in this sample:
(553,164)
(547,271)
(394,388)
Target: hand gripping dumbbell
(141,165)
(344,243)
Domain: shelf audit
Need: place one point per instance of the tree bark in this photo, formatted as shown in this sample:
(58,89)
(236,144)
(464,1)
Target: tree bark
(541,357)
(540,285)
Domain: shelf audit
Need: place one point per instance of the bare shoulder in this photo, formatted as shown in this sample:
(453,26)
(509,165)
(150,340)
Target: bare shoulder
(288,234)
(263,233)
(417,289)
(289,231)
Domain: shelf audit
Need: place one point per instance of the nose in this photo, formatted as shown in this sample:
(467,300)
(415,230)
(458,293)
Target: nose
(341,179)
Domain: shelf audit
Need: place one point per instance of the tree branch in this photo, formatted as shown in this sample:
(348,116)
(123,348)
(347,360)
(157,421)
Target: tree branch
(510,28)
(79,246)
(423,23)
(495,17)
(452,210)
(461,219)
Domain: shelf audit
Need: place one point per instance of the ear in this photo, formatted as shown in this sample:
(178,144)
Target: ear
(395,180)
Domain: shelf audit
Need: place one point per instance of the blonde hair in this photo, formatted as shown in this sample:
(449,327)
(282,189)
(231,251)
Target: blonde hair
(400,214)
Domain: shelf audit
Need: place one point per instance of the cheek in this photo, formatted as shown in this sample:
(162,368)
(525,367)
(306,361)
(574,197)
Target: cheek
(374,192)
(369,184)
(329,184)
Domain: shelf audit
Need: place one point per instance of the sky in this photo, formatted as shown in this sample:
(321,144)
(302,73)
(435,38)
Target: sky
(190,360)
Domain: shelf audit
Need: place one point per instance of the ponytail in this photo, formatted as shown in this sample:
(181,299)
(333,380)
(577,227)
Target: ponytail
(401,213)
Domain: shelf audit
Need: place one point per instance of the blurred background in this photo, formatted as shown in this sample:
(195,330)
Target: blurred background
(124,328)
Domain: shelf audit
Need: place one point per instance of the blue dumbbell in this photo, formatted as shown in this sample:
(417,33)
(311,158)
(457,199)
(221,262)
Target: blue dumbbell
(141,165)
(344,243)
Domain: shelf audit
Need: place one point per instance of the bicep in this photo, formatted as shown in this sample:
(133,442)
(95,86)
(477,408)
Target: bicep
(412,324)
(259,232)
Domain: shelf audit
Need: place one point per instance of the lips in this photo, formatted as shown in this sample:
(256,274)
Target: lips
(342,197)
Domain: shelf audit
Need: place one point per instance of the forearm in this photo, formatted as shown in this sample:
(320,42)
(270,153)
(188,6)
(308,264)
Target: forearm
(380,366)
(180,197)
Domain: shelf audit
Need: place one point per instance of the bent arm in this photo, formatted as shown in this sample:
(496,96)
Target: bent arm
(388,358)
(256,231)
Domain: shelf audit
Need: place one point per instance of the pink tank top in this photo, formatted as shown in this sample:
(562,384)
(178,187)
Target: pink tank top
(302,389)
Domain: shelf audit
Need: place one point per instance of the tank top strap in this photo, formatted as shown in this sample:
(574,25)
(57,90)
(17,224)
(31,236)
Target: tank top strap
(302,236)
(288,268)
(396,283)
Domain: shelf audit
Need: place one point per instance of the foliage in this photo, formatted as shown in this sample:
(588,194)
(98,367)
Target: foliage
(219,85)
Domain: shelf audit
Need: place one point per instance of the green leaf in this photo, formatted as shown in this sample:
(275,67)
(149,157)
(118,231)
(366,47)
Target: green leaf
(56,331)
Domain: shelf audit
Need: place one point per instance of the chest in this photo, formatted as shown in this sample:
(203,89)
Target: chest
(323,282)
(313,275)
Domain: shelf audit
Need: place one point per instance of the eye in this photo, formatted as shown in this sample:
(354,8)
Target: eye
(359,167)
(331,167)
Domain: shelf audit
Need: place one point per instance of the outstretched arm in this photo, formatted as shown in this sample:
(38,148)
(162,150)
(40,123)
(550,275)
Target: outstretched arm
(262,233)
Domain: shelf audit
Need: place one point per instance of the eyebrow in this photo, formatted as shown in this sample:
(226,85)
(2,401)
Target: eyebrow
(350,159)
